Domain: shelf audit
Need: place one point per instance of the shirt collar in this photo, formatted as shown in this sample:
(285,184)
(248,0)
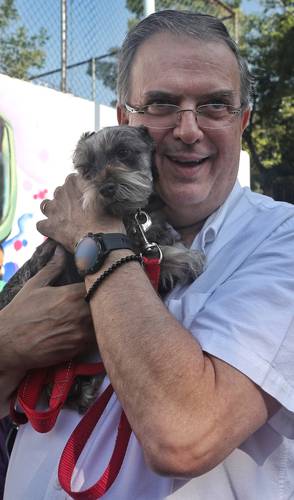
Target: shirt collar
(215,221)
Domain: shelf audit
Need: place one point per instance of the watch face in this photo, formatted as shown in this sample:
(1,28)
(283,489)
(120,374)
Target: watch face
(87,254)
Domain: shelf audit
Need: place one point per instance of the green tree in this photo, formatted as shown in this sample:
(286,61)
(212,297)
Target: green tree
(106,70)
(269,137)
(19,51)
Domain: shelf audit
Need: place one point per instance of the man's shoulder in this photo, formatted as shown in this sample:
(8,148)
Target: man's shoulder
(257,209)
(262,214)
(245,207)
(265,203)
(249,219)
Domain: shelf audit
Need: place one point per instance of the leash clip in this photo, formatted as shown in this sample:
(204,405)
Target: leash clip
(144,222)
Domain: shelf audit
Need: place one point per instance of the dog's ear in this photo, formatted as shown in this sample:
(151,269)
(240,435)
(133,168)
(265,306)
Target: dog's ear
(86,135)
(80,154)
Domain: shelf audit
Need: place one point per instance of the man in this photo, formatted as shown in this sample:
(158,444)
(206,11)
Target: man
(206,379)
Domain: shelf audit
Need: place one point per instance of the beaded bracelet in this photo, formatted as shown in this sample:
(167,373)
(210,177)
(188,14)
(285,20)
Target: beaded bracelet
(110,270)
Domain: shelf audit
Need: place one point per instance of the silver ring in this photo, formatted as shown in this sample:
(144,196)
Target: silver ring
(43,206)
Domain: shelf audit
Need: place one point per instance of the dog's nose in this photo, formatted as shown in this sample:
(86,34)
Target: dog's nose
(108,189)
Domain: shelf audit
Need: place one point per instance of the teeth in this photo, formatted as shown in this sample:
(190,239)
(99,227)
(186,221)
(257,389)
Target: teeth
(190,162)
(193,161)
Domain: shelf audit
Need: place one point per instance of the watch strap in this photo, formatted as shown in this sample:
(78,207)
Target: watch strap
(113,241)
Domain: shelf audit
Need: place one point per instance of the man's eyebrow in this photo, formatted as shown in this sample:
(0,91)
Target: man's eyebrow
(154,95)
(220,93)
(160,94)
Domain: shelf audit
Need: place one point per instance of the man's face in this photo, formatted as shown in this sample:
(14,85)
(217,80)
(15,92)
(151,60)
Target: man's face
(188,73)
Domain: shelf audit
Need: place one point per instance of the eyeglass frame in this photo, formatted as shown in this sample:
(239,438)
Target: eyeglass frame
(140,110)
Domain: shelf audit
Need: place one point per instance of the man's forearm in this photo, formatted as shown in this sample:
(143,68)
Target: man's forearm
(188,409)
(153,363)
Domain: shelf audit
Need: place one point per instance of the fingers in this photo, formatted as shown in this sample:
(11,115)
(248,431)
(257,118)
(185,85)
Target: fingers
(66,220)
(51,271)
(43,206)
(72,181)
(45,209)
(41,226)
(72,184)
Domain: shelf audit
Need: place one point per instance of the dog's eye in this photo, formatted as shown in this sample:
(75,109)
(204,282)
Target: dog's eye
(123,154)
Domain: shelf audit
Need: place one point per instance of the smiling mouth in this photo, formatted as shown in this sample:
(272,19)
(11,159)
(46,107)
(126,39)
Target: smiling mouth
(187,162)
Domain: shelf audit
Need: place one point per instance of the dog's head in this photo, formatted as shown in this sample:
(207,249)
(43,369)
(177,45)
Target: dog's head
(114,147)
(118,163)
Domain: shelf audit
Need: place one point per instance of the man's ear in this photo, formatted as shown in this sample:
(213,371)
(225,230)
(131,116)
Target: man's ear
(245,119)
(122,115)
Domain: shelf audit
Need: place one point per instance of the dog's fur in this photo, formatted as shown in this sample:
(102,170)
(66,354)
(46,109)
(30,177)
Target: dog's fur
(117,168)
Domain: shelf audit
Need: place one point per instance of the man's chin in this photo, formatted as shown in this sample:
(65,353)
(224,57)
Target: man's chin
(184,195)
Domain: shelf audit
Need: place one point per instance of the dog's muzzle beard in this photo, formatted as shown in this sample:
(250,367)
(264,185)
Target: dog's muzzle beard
(122,191)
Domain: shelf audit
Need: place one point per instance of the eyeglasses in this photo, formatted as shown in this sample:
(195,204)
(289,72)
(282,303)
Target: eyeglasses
(208,116)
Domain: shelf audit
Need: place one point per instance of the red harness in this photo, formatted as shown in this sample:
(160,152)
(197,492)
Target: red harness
(62,377)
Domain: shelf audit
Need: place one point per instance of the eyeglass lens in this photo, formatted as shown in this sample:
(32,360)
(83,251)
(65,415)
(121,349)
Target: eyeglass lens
(163,116)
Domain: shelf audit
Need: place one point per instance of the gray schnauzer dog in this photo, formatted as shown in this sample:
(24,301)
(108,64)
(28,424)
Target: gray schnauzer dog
(117,168)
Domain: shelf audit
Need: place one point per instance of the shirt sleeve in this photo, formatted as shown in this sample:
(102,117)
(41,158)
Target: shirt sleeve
(248,321)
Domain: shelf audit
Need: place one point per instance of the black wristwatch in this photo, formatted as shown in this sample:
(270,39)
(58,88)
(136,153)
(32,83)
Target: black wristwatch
(92,250)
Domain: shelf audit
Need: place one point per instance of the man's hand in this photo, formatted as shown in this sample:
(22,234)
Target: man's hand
(44,325)
(67,221)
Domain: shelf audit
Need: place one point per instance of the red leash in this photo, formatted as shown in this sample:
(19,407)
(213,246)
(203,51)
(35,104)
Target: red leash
(152,268)
(62,377)
(75,446)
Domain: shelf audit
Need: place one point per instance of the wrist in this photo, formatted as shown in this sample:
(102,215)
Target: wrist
(117,227)
(113,257)
(112,268)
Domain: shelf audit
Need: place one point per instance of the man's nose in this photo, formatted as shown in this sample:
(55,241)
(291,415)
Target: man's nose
(187,128)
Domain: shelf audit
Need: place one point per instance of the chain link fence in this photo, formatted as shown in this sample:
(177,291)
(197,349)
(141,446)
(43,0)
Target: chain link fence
(84,36)
(80,32)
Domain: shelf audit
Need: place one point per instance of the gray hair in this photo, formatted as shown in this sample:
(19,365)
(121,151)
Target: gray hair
(199,26)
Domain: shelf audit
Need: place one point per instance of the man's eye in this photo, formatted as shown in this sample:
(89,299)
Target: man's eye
(217,105)
(160,108)
(213,108)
